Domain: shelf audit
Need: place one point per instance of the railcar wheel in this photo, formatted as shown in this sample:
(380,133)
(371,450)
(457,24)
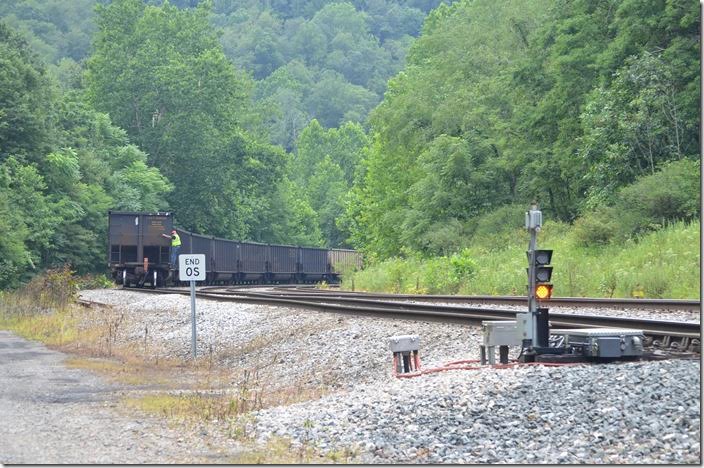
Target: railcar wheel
(124,279)
(154,279)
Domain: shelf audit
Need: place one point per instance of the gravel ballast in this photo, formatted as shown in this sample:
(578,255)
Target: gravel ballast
(638,412)
(628,413)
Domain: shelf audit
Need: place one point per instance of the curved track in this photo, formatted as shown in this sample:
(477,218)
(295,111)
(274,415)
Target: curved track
(621,303)
(666,333)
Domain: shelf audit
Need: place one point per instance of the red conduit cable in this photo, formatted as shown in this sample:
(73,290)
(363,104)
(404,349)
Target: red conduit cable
(449,367)
(466,361)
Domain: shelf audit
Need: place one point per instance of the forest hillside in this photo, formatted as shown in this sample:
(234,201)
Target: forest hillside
(406,129)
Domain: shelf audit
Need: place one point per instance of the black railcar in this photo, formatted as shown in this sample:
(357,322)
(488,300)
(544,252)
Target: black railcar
(139,255)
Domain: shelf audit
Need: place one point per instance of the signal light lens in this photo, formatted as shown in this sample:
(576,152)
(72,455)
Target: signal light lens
(543,291)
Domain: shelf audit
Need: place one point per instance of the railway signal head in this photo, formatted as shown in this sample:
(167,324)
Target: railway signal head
(543,291)
(543,257)
(543,273)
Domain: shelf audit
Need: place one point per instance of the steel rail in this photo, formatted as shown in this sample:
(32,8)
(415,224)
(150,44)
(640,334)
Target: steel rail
(456,314)
(677,304)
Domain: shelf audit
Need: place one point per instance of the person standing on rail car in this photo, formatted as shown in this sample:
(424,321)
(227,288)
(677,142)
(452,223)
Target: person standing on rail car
(175,246)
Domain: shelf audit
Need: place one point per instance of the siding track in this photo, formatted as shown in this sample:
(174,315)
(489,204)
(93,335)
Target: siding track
(663,333)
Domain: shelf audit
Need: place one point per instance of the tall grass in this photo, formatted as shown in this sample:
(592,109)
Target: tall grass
(664,263)
(42,310)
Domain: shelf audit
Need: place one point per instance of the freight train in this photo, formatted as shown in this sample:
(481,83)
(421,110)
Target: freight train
(139,255)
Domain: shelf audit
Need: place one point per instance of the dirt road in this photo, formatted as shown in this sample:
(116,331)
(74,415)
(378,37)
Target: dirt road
(52,414)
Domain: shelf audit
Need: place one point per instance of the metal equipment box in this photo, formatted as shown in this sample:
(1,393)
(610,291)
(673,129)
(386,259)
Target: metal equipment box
(404,343)
(523,328)
(500,333)
(603,342)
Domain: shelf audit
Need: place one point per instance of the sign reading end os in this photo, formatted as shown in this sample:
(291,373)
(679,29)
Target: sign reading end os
(191,267)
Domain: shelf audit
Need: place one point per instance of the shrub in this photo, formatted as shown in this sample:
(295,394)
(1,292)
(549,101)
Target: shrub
(99,281)
(597,228)
(672,194)
(498,227)
(462,264)
(438,276)
(55,288)
(445,237)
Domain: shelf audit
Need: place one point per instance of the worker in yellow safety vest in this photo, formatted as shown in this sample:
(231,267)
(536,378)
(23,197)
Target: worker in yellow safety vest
(175,246)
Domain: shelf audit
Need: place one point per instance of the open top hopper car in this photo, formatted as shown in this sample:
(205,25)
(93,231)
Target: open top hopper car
(139,255)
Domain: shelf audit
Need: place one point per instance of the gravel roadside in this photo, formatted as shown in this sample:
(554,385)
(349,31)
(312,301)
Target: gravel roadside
(52,414)
(642,412)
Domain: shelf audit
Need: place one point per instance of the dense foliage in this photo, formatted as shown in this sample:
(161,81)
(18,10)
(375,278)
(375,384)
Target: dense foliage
(662,264)
(62,166)
(327,60)
(400,127)
(162,75)
(565,102)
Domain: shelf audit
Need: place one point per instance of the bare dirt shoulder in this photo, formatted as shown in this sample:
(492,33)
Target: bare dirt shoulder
(53,414)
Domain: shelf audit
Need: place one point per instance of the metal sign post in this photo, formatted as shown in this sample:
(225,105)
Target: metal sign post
(191,267)
(193,318)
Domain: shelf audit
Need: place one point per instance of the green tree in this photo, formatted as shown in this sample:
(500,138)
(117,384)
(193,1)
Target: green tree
(55,29)
(565,102)
(446,147)
(162,75)
(322,170)
(632,126)
(26,99)
(297,223)
(59,158)
(333,100)
(26,223)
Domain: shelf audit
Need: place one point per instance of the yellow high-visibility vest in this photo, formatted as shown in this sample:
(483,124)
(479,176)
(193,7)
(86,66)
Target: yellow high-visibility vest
(175,240)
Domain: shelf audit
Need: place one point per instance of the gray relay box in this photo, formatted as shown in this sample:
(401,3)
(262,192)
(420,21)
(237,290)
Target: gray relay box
(404,343)
(500,333)
(603,342)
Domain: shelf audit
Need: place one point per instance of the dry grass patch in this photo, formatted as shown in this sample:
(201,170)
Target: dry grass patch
(219,397)
(195,406)
(121,371)
(281,451)
(54,329)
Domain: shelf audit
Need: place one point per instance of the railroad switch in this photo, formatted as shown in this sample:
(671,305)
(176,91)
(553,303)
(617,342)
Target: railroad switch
(405,353)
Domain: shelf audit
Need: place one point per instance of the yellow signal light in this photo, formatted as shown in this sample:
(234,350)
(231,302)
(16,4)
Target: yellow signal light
(543,291)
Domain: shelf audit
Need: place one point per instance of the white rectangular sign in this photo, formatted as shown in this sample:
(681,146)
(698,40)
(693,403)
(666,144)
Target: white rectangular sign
(191,267)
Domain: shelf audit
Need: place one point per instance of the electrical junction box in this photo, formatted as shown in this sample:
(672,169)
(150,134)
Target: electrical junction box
(404,343)
(524,330)
(500,333)
(603,342)
(534,219)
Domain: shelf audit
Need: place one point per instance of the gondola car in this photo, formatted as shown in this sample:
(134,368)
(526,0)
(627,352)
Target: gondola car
(139,255)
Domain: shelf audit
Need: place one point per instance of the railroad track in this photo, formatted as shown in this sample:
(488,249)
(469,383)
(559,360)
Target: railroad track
(661,333)
(612,303)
